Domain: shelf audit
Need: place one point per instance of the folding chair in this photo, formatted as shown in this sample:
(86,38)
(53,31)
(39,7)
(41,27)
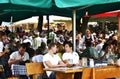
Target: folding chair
(86,74)
(34,68)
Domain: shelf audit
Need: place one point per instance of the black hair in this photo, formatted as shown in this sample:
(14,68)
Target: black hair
(2,33)
(69,43)
(23,45)
(39,51)
(88,43)
(51,45)
(27,44)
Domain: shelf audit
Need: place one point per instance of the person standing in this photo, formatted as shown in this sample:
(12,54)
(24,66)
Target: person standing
(88,36)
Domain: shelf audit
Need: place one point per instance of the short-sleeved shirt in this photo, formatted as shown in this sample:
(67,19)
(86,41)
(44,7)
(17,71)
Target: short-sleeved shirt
(74,56)
(15,55)
(1,46)
(37,58)
(1,50)
(90,52)
(53,59)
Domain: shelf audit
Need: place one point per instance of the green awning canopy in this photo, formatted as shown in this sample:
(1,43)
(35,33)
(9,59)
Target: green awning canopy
(21,9)
(79,3)
(4,1)
(34,3)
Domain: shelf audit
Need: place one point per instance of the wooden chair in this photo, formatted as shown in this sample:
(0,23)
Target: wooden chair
(106,72)
(13,78)
(86,74)
(34,69)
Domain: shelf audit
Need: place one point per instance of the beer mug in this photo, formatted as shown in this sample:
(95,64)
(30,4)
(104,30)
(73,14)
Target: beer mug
(84,62)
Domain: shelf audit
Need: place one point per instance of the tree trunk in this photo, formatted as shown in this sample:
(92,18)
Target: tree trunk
(0,22)
(84,24)
(78,28)
(40,23)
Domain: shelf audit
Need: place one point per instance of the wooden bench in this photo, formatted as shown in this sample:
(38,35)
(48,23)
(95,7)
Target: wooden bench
(106,72)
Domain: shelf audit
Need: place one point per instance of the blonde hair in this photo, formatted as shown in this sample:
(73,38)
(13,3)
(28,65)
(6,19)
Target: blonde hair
(87,30)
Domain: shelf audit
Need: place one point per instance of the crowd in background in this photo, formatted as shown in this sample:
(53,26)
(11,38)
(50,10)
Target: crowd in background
(98,46)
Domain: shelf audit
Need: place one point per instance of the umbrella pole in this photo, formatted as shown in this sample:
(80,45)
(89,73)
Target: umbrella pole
(48,21)
(74,30)
(119,24)
(11,21)
(119,27)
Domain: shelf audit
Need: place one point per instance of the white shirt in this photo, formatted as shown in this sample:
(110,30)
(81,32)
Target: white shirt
(37,42)
(1,46)
(27,40)
(37,58)
(99,47)
(44,40)
(53,59)
(15,55)
(72,56)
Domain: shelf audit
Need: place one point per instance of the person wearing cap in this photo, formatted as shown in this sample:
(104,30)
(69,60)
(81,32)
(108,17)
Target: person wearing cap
(100,44)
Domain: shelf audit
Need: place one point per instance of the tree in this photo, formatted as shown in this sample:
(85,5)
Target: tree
(82,26)
(40,23)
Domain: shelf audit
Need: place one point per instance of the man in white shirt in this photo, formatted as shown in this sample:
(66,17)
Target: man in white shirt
(71,57)
(19,56)
(70,54)
(50,60)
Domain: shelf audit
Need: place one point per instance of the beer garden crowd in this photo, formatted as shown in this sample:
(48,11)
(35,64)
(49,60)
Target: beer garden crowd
(54,49)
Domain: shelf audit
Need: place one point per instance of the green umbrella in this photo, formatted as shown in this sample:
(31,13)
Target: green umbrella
(21,9)
(48,7)
(79,3)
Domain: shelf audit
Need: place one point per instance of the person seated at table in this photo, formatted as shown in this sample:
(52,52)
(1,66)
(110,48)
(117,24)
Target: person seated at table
(89,52)
(103,55)
(20,56)
(38,55)
(50,60)
(71,58)
(38,58)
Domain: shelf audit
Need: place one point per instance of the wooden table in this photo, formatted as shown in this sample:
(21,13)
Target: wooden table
(65,72)
(88,73)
